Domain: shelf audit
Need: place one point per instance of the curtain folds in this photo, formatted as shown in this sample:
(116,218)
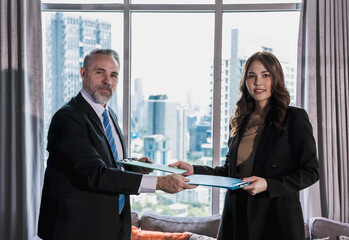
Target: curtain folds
(322,89)
(21,118)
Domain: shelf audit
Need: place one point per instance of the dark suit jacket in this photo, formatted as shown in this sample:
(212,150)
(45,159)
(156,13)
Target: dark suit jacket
(82,183)
(287,159)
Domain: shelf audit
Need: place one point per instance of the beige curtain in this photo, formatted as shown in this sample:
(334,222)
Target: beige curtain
(323,90)
(21,118)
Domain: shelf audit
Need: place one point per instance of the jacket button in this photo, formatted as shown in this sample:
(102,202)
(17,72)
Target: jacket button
(274,166)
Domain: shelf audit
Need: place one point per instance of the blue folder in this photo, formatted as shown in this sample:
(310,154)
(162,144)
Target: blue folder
(217,181)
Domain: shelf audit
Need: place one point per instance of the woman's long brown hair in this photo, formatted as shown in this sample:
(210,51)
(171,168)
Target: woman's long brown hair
(279,100)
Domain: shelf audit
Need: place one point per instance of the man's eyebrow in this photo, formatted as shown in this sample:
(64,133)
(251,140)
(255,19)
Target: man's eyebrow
(99,69)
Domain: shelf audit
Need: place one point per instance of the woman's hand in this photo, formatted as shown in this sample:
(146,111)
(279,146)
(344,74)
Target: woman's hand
(257,185)
(184,165)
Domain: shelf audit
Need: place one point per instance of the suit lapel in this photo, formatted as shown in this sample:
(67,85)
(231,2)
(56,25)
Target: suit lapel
(90,113)
(262,149)
(118,130)
(97,121)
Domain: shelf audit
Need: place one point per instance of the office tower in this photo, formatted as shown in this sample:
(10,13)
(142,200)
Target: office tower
(69,37)
(138,108)
(290,81)
(182,133)
(162,119)
(156,148)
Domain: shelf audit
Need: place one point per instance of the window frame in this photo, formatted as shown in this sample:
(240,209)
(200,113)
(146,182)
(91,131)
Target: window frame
(218,9)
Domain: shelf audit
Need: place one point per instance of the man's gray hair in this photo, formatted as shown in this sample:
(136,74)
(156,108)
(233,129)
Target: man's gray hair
(108,52)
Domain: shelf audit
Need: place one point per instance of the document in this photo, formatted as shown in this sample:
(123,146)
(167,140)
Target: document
(154,166)
(217,181)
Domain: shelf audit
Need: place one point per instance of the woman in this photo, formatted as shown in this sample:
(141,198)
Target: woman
(272,146)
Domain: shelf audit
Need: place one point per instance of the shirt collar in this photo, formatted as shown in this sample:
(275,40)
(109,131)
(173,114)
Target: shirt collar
(97,107)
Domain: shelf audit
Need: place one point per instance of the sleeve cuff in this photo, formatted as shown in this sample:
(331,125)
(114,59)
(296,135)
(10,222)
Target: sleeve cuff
(148,184)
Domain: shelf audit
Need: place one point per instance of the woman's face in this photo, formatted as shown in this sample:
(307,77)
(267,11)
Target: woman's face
(258,82)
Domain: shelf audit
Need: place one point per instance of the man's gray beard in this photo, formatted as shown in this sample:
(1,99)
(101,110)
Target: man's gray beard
(100,99)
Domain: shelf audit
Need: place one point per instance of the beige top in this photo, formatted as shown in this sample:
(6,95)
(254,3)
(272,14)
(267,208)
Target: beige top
(248,145)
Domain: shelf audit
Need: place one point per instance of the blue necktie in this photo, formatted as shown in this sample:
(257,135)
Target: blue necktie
(112,144)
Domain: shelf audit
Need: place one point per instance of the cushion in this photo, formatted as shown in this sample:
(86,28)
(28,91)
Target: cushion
(323,227)
(343,238)
(200,237)
(155,235)
(135,219)
(207,226)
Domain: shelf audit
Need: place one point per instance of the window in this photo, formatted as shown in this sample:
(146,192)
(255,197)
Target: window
(171,57)
(67,38)
(176,62)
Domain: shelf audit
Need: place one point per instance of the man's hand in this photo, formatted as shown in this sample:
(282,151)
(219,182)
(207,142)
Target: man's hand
(258,185)
(173,183)
(142,169)
(184,165)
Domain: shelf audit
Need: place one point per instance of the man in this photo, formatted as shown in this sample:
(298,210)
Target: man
(86,194)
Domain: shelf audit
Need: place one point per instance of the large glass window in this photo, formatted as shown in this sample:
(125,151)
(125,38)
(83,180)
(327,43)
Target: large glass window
(67,38)
(259,1)
(171,72)
(171,68)
(174,1)
(82,1)
(245,34)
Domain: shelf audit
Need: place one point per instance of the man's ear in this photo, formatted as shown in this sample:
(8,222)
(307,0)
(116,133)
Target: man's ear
(82,73)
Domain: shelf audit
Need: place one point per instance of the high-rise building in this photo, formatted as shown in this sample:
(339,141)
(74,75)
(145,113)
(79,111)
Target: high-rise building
(162,119)
(156,148)
(182,133)
(138,109)
(68,39)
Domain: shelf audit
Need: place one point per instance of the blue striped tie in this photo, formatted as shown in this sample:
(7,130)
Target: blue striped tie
(112,144)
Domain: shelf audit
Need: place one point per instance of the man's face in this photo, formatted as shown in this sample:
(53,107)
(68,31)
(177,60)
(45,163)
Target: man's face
(101,78)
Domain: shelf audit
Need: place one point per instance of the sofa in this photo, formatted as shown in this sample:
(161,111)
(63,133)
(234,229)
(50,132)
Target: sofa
(206,228)
(167,227)
(326,229)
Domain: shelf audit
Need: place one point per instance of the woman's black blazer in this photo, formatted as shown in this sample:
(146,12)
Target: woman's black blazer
(287,159)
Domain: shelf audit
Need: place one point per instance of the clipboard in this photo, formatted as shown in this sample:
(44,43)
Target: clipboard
(154,166)
(217,181)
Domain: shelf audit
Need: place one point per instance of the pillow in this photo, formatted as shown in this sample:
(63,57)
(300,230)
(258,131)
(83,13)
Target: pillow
(207,226)
(342,238)
(135,219)
(137,234)
(200,237)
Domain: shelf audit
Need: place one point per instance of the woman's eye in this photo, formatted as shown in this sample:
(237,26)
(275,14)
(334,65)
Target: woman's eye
(250,76)
(266,75)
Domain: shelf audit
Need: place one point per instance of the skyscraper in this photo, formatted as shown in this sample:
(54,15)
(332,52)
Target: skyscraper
(68,39)
(156,148)
(162,119)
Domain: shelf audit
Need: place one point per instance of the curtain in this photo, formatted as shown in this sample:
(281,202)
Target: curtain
(21,118)
(322,89)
